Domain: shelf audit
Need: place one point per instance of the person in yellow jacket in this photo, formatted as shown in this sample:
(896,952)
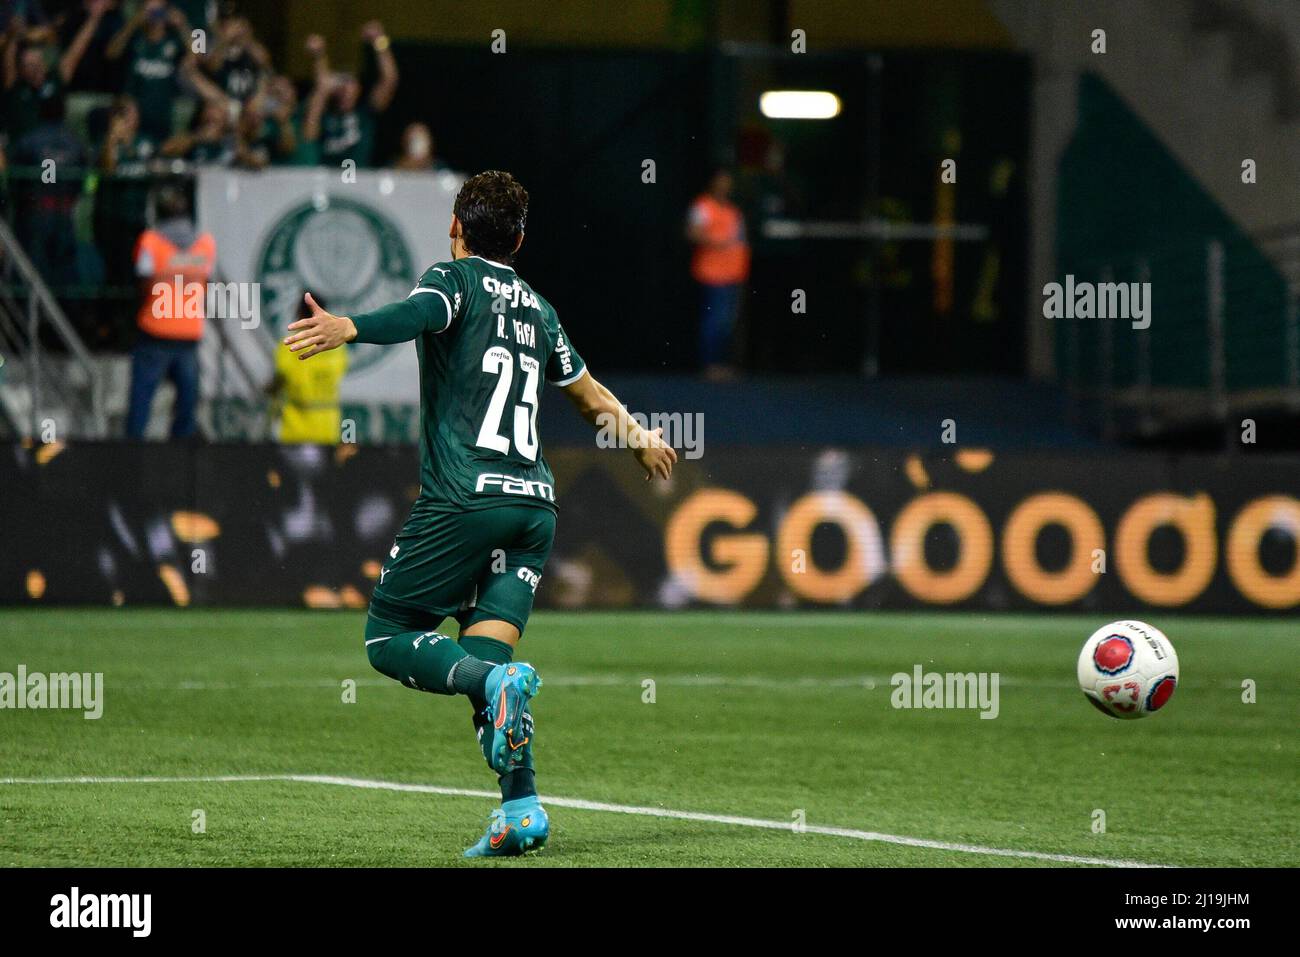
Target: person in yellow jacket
(309,395)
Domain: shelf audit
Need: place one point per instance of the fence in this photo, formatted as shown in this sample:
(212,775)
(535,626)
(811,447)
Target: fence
(1223,338)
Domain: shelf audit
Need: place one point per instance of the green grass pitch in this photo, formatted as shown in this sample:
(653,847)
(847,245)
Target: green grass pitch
(760,715)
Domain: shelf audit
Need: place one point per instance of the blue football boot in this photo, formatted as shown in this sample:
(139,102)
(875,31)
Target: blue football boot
(508,690)
(515,828)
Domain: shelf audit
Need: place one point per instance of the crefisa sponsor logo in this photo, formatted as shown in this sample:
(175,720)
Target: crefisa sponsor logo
(75,910)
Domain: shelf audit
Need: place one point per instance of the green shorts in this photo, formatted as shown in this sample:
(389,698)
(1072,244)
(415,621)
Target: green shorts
(475,566)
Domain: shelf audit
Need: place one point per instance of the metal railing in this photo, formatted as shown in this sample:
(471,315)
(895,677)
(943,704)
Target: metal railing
(43,391)
(239,408)
(1223,339)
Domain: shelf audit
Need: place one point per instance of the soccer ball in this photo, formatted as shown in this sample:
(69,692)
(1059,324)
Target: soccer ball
(1128,669)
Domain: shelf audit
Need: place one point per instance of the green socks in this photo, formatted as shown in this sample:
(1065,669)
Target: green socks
(423,660)
(428,661)
(469,677)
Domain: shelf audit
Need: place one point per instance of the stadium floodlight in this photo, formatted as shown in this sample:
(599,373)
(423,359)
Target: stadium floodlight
(799,104)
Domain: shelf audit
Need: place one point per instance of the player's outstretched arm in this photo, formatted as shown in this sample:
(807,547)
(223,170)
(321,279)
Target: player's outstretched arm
(602,409)
(397,322)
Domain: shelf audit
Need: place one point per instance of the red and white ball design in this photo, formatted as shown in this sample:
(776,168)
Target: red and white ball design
(1128,669)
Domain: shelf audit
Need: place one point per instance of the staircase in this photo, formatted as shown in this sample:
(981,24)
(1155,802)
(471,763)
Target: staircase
(50,387)
(1216,80)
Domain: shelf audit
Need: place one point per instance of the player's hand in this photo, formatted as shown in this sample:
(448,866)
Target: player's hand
(319,332)
(315,45)
(656,456)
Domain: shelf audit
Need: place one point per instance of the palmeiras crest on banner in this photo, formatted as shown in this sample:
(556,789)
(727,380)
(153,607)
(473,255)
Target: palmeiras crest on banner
(349,255)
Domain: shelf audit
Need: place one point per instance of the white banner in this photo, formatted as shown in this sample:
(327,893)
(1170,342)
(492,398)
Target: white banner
(355,246)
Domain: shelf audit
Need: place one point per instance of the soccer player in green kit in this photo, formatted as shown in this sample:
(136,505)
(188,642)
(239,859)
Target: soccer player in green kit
(481,529)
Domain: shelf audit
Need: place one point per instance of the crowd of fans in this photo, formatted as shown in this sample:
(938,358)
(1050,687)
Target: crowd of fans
(161,86)
(167,61)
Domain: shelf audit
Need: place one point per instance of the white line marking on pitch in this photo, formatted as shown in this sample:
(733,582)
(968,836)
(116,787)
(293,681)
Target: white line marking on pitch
(581,805)
(865,682)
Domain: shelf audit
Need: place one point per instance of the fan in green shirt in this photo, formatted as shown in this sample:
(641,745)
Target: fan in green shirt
(340,122)
(26,77)
(157,39)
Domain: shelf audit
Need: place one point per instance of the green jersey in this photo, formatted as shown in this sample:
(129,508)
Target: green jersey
(23,105)
(152,81)
(485,341)
(348,135)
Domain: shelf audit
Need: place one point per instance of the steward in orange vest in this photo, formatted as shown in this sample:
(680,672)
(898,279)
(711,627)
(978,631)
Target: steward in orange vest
(174,264)
(719,265)
(176,278)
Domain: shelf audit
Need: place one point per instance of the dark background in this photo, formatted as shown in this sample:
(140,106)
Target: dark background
(608,250)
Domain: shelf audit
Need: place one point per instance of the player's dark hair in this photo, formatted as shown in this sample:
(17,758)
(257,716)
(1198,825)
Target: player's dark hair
(492,208)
